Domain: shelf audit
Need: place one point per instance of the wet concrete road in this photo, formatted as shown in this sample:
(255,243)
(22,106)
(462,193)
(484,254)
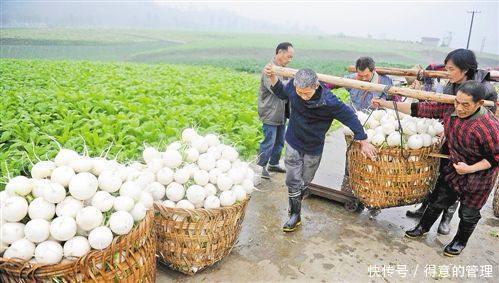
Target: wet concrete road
(334,245)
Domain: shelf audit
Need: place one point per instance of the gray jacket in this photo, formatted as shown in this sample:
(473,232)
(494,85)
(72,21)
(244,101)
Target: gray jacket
(271,109)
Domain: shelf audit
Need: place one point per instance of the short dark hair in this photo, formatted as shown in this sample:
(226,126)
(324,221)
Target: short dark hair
(365,62)
(464,59)
(283,46)
(474,89)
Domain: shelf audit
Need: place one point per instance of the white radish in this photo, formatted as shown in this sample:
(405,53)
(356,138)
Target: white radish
(145,178)
(155,165)
(65,156)
(201,177)
(101,164)
(76,247)
(175,192)
(19,185)
(100,238)
(138,212)
(68,207)
(168,203)
(123,203)
(130,189)
(182,175)
(121,222)
(174,146)
(48,252)
(200,144)
(211,202)
(103,201)
(422,126)
(427,139)
(172,158)
(223,165)
(82,164)
(63,228)
(195,194)
(149,154)
(237,175)
(89,218)
(373,123)
(214,175)
(39,186)
(378,139)
(191,154)
(393,139)
(188,135)
(14,209)
(21,249)
(224,182)
(227,198)
(39,208)
(83,186)
(388,128)
(239,192)
(415,142)
(210,189)
(206,162)
(110,181)
(11,232)
(248,185)
(215,152)
(378,114)
(212,140)
(42,169)
(165,176)
(55,193)
(191,168)
(230,153)
(146,199)
(37,230)
(157,190)
(62,175)
(185,204)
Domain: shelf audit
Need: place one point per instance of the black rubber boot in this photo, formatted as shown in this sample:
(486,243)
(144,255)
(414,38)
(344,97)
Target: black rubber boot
(444,228)
(456,246)
(276,168)
(295,218)
(429,217)
(418,212)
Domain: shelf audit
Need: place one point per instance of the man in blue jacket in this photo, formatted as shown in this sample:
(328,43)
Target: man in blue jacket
(312,110)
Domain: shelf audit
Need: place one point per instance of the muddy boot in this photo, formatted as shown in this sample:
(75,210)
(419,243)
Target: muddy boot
(444,228)
(276,168)
(459,242)
(294,219)
(418,212)
(429,217)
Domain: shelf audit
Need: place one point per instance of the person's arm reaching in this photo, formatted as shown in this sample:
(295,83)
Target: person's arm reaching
(347,117)
(275,84)
(433,110)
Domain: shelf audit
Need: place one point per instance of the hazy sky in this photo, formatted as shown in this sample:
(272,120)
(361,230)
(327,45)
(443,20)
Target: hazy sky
(403,19)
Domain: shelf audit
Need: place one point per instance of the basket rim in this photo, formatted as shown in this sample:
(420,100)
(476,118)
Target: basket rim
(28,268)
(159,205)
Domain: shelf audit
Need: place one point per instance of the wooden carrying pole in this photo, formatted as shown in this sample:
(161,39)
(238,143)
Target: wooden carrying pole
(349,83)
(494,75)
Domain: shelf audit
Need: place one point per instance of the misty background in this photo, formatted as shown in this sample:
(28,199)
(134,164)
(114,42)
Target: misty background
(447,21)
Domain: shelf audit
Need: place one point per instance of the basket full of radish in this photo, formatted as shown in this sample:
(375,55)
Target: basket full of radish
(201,191)
(77,218)
(404,171)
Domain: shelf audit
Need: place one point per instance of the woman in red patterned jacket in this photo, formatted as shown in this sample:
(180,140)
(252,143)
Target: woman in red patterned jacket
(472,133)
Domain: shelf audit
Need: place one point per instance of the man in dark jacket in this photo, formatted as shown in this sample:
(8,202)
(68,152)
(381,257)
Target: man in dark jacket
(272,113)
(313,109)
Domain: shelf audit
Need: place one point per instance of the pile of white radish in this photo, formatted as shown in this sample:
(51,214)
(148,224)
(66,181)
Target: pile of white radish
(70,206)
(382,129)
(196,172)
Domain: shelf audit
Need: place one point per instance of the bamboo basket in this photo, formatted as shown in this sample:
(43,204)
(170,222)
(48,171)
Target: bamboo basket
(392,180)
(130,258)
(191,240)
